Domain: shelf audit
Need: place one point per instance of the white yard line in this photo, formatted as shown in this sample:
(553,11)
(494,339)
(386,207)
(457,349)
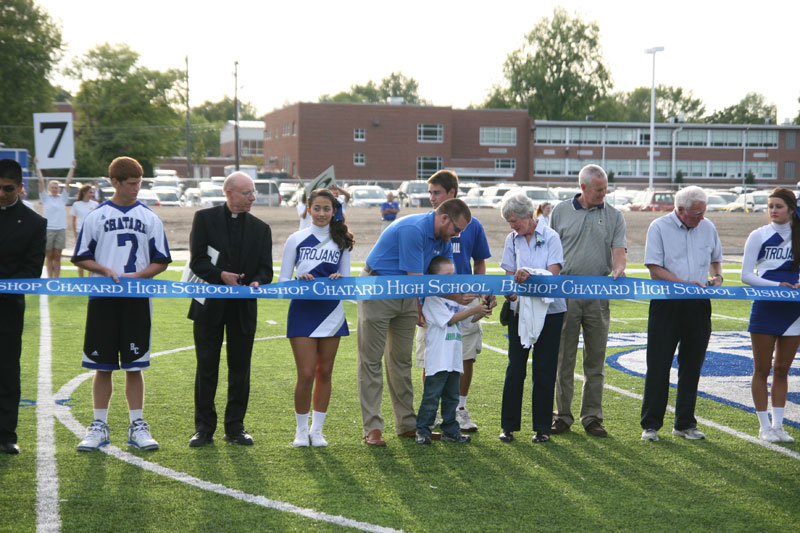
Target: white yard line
(705,421)
(66,417)
(47,516)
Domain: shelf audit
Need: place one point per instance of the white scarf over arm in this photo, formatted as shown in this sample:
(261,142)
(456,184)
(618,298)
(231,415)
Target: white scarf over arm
(532,312)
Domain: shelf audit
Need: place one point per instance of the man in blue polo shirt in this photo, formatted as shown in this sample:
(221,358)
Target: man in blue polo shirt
(389,210)
(386,327)
(470,247)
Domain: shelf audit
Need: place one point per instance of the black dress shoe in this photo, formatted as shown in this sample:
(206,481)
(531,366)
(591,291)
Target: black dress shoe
(201,438)
(242,437)
(540,437)
(9,447)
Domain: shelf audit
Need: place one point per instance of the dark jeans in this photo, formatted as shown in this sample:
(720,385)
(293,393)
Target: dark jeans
(442,385)
(670,322)
(12,311)
(208,344)
(545,364)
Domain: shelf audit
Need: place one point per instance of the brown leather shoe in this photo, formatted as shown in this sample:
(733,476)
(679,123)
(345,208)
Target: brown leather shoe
(374,438)
(558,427)
(413,434)
(596,429)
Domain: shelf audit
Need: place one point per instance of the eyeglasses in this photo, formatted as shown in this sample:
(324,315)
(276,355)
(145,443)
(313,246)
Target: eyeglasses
(9,188)
(456,228)
(248,194)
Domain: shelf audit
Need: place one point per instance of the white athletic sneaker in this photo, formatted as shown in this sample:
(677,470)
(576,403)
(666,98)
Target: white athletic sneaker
(650,434)
(768,435)
(464,420)
(317,439)
(690,433)
(782,435)
(96,436)
(301,438)
(139,435)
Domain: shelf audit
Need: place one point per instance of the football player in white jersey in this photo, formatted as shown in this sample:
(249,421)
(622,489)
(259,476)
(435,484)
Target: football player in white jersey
(120,238)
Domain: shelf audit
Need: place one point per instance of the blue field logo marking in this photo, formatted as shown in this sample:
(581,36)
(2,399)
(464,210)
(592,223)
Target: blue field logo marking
(726,372)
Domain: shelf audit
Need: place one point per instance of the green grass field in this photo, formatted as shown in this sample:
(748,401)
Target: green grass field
(575,482)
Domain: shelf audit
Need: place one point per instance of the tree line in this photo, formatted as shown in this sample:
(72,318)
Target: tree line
(122,107)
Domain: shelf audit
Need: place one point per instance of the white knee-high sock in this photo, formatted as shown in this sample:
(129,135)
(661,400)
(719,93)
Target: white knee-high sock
(302,421)
(317,420)
(763,419)
(777,417)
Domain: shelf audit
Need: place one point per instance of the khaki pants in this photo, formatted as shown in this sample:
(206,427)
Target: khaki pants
(386,328)
(593,317)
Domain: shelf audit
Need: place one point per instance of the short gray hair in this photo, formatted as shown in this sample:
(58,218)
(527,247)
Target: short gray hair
(518,205)
(686,197)
(589,172)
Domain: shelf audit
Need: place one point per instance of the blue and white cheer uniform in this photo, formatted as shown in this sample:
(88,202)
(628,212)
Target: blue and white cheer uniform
(311,250)
(767,262)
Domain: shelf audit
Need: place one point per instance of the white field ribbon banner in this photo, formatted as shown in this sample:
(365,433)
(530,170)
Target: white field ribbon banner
(391,287)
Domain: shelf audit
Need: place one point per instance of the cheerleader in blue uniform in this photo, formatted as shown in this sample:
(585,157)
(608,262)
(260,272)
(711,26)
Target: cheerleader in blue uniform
(314,326)
(771,259)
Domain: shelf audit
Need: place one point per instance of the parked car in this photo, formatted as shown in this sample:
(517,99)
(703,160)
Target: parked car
(495,193)
(287,188)
(191,197)
(756,202)
(477,202)
(716,203)
(267,193)
(211,196)
(167,181)
(167,196)
(414,194)
(465,188)
(148,198)
(366,196)
(566,193)
(539,195)
(620,201)
(728,196)
(653,201)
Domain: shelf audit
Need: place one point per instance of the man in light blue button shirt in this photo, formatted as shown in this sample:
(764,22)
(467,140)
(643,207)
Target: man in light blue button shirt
(685,247)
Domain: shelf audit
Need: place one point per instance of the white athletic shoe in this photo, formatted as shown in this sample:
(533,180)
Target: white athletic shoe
(768,435)
(464,420)
(650,434)
(690,433)
(782,435)
(301,438)
(96,436)
(317,439)
(139,435)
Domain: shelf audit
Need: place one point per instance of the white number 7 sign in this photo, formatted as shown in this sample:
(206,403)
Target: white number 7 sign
(53,138)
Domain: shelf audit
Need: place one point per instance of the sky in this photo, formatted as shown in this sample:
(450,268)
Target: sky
(295,51)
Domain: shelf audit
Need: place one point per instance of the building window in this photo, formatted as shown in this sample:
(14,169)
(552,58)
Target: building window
(791,140)
(692,138)
(691,169)
(359,159)
(505,163)
(427,166)
(621,136)
(726,137)
(546,135)
(764,138)
(621,167)
(549,167)
(498,136)
(763,169)
(251,147)
(788,170)
(294,169)
(663,137)
(294,128)
(430,133)
(359,134)
(574,166)
(585,135)
(726,169)
(267,134)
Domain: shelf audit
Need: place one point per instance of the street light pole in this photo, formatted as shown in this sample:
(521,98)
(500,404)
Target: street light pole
(236,110)
(653,110)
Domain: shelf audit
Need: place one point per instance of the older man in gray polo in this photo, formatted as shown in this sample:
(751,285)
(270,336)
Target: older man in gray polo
(593,237)
(682,246)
